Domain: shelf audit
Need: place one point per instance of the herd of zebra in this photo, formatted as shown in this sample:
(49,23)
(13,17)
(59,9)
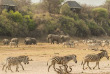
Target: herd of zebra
(65,59)
(62,60)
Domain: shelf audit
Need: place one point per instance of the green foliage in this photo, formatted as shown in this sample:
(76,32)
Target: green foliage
(100,14)
(15,24)
(15,16)
(43,18)
(95,29)
(65,10)
(52,6)
(82,29)
(67,25)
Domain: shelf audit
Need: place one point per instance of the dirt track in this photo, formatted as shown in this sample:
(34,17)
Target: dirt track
(43,52)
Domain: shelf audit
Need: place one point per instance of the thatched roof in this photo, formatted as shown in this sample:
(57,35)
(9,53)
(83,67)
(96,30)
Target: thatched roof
(7,2)
(73,4)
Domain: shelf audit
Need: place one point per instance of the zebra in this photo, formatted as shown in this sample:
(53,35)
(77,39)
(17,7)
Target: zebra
(12,61)
(93,45)
(71,44)
(95,58)
(105,43)
(13,44)
(60,70)
(62,60)
(5,41)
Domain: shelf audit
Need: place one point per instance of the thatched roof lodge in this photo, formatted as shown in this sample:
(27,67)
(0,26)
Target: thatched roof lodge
(8,5)
(74,6)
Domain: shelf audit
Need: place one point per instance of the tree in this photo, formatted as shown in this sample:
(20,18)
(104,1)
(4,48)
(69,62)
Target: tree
(100,15)
(65,10)
(52,6)
(23,6)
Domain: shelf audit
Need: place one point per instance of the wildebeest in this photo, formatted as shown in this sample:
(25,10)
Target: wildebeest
(5,41)
(94,58)
(29,41)
(15,61)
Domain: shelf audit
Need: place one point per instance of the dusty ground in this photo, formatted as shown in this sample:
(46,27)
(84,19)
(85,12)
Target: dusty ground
(42,52)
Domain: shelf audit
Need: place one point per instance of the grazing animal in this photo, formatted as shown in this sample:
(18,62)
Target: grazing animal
(71,44)
(15,40)
(15,61)
(64,38)
(29,41)
(53,38)
(13,44)
(62,60)
(34,41)
(104,43)
(95,58)
(5,41)
(93,45)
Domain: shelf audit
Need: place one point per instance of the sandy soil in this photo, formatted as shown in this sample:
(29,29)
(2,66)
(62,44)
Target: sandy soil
(42,52)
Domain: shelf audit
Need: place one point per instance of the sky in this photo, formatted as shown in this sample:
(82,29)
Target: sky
(88,2)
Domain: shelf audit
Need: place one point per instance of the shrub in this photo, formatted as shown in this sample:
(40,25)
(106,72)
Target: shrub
(82,29)
(95,29)
(67,25)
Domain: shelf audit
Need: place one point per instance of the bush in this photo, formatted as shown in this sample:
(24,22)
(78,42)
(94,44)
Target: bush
(82,29)
(67,25)
(95,29)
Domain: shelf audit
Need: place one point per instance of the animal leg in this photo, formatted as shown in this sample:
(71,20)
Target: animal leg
(22,66)
(17,68)
(49,67)
(54,67)
(98,65)
(6,69)
(66,68)
(3,67)
(9,68)
(88,65)
(95,65)
(84,64)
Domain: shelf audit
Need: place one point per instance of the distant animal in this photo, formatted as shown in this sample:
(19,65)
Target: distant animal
(30,41)
(15,61)
(68,44)
(105,43)
(95,58)
(5,41)
(64,38)
(60,70)
(62,60)
(15,40)
(13,44)
(53,38)
(34,41)
(93,45)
